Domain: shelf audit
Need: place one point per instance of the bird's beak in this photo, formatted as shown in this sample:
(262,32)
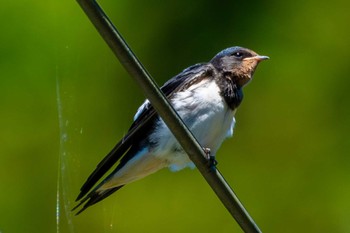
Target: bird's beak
(257,58)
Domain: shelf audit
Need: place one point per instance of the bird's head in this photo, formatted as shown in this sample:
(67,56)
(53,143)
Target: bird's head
(238,63)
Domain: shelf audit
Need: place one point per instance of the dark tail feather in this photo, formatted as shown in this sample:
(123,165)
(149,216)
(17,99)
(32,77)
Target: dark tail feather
(93,198)
(101,169)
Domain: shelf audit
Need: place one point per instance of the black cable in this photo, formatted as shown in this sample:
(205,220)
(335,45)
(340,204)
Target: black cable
(188,142)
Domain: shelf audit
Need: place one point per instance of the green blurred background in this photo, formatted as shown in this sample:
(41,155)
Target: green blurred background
(65,102)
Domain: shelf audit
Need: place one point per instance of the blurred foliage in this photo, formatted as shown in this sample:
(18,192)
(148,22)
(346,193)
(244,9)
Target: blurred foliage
(66,101)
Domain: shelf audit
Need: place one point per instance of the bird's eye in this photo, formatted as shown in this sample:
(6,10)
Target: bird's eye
(237,54)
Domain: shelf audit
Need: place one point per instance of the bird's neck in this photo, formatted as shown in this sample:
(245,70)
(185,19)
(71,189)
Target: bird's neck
(231,91)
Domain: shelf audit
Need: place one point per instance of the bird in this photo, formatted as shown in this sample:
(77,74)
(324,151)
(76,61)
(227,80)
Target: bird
(206,97)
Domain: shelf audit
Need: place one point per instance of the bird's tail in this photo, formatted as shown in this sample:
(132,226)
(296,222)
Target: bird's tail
(94,197)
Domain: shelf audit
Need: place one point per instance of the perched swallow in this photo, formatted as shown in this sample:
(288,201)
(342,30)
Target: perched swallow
(206,97)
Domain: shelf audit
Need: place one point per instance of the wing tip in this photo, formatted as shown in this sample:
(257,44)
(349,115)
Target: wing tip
(92,198)
(80,196)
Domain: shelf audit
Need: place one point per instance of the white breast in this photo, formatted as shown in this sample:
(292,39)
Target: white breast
(205,112)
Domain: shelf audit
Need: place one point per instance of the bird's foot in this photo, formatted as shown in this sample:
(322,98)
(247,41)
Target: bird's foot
(211,158)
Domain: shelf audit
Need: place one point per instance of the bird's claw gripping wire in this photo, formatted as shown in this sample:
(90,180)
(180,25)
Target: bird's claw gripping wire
(211,158)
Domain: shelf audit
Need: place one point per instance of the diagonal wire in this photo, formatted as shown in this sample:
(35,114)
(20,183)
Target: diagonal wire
(188,142)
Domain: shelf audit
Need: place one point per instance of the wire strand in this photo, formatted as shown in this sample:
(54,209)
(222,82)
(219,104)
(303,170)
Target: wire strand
(152,92)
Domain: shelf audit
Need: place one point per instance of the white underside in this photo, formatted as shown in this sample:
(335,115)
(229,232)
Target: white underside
(207,115)
(205,112)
